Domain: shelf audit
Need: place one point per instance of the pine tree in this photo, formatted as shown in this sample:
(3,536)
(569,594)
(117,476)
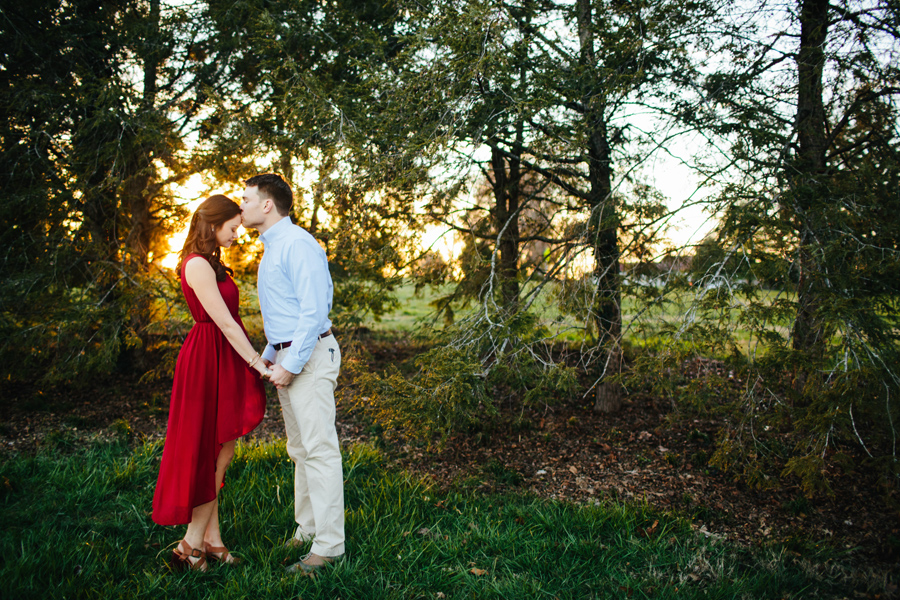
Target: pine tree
(98,97)
(808,99)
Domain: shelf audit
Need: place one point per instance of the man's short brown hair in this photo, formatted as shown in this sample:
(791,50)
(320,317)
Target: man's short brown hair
(272,185)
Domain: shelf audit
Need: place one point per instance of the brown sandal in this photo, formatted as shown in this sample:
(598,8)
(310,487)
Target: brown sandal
(181,560)
(220,554)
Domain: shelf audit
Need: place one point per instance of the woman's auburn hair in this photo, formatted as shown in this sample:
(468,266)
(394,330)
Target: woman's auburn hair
(201,238)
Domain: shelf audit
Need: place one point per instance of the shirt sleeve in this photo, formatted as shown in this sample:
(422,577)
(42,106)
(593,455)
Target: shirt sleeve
(308,277)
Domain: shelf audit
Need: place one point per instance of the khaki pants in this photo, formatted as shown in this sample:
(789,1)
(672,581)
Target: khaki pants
(312,443)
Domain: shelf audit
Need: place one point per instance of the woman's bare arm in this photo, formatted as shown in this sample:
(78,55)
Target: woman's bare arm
(202,279)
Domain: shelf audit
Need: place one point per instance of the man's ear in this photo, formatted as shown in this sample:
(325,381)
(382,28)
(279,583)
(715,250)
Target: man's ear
(268,205)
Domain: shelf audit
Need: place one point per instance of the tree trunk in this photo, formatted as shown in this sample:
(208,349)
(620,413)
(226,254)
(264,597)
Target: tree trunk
(285,158)
(138,196)
(602,227)
(809,174)
(286,165)
(604,231)
(101,216)
(137,179)
(506,189)
(608,315)
(135,193)
(318,192)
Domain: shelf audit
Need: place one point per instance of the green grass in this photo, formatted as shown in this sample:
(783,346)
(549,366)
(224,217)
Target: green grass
(75,523)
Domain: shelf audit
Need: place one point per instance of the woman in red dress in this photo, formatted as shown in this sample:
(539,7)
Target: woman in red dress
(217,393)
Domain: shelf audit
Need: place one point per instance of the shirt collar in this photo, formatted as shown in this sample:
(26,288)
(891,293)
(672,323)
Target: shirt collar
(276,231)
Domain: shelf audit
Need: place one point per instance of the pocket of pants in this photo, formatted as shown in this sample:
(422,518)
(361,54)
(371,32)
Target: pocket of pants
(333,356)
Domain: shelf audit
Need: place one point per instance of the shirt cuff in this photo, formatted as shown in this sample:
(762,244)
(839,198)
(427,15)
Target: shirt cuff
(292,363)
(269,353)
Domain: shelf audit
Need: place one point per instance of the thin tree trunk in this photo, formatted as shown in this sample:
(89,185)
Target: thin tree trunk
(286,165)
(101,216)
(602,228)
(136,187)
(318,195)
(285,158)
(506,189)
(810,171)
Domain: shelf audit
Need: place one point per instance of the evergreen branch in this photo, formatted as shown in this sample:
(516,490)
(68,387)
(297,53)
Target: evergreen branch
(854,106)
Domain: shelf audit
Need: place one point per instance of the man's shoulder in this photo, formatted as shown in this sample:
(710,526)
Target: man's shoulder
(298,238)
(286,230)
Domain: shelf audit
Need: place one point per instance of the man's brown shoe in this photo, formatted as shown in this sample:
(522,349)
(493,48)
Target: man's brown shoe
(309,564)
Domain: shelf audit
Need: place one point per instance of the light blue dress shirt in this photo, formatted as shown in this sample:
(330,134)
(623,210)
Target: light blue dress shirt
(295,292)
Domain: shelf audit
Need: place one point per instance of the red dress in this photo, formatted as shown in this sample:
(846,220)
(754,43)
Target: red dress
(216,398)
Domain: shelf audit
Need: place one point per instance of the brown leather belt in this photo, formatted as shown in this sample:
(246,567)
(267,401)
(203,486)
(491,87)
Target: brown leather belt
(284,345)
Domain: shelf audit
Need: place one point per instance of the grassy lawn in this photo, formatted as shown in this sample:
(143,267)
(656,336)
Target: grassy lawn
(413,311)
(75,523)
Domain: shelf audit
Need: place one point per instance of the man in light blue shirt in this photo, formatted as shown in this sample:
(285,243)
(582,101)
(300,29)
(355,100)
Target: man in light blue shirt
(295,296)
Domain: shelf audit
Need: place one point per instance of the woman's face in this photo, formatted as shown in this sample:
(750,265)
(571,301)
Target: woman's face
(227,233)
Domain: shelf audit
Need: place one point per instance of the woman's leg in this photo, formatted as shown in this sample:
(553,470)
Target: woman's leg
(204,525)
(200,518)
(193,537)
(212,535)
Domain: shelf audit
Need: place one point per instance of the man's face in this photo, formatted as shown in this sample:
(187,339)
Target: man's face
(252,207)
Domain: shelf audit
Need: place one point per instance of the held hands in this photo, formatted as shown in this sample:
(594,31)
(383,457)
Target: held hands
(263,370)
(280,376)
(261,366)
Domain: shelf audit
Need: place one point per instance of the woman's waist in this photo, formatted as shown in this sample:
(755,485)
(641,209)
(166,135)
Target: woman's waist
(206,322)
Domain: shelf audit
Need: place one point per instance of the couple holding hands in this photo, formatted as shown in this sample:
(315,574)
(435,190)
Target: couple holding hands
(218,393)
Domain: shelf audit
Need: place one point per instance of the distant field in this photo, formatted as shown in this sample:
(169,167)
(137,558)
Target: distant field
(414,310)
(640,318)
